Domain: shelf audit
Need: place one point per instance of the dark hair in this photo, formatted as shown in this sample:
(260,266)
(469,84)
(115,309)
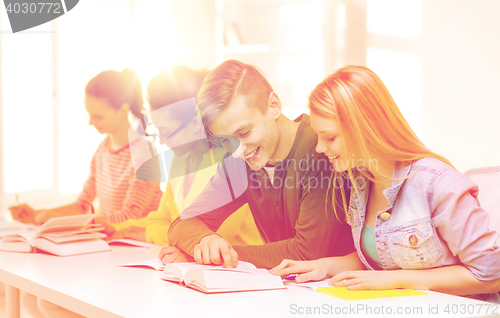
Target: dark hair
(173,85)
(118,88)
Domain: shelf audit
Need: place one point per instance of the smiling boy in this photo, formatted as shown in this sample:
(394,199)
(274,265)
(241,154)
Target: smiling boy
(286,180)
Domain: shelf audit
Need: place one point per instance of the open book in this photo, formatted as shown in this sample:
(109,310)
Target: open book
(63,236)
(217,279)
(12,227)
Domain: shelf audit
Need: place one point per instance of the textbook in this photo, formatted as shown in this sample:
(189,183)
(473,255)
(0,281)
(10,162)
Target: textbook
(62,236)
(217,279)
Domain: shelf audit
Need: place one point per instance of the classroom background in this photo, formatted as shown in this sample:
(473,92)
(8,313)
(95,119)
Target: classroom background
(439,59)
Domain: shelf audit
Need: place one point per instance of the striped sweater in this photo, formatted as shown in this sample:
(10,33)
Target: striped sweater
(112,179)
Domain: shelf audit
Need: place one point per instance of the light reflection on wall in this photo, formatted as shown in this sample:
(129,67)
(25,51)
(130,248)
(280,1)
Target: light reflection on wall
(394,30)
(401,74)
(304,69)
(153,45)
(395,18)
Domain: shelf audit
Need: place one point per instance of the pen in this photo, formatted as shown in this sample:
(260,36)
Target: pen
(17,199)
(290,277)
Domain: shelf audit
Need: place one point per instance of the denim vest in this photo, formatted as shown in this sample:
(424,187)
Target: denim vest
(435,220)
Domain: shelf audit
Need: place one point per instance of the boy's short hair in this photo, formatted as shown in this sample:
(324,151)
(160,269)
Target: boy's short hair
(230,79)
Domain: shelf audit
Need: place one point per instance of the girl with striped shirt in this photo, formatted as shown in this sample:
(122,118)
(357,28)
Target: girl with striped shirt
(109,98)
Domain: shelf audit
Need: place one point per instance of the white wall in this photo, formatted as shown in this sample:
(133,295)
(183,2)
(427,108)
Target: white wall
(443,72)
(460,80)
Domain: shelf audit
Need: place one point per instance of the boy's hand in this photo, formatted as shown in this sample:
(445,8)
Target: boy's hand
(211,248)
(23,213)
(173,254)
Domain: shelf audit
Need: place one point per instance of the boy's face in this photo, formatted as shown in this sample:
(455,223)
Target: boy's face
(258,134)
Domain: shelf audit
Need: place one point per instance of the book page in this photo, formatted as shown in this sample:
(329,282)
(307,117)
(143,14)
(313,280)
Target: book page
(177,271)
(73,237)
(71,248)
(71,222)
(70,233)
(12,227)
(68,228)
(130,242)
(224,280)
(21,237)
(241,267)
(153,263)
(308,285)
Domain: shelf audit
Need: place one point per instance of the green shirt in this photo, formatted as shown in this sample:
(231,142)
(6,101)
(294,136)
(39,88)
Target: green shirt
(369,246)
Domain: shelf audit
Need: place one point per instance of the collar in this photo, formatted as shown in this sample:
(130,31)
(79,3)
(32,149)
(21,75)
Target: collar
(401,170)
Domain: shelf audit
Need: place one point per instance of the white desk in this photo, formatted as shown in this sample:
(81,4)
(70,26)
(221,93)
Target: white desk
(92,285)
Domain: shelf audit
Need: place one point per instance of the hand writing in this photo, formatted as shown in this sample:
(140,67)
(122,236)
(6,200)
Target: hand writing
(23,213)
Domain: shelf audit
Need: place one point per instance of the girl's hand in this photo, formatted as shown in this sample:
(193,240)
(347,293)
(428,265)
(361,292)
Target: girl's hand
(133,233)
(308,270)
(23,213)
(102,219)
(45,215)
(368,279)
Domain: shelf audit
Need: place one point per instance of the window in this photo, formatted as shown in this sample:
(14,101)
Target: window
(47,142)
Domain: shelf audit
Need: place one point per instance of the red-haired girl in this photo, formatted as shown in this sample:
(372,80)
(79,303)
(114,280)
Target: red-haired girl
(415,220)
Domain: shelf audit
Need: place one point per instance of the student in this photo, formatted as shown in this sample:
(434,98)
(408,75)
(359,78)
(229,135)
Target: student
(109,98)
(286,180)
(411,213)
(174,115)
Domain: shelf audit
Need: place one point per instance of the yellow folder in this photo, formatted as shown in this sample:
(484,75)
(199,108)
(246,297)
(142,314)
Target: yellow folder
(346,294)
